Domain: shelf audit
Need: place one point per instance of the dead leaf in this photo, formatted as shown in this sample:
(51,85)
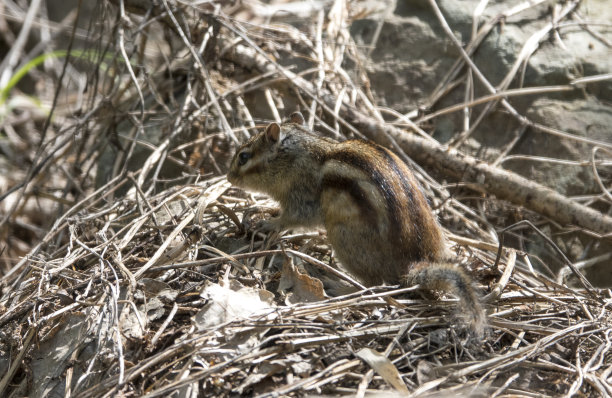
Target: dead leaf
(156,288)
(304,288)
(233,302)
(383,367)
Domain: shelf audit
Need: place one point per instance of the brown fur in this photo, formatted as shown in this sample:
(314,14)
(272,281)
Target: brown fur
(448,278)
(376,216)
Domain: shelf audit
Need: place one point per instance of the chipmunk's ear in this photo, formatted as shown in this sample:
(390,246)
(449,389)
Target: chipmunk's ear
(297,118)
(273,132)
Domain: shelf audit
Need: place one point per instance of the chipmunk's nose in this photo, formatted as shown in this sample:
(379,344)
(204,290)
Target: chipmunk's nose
(231,176)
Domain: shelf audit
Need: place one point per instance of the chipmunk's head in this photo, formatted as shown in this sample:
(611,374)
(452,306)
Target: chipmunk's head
(255,162)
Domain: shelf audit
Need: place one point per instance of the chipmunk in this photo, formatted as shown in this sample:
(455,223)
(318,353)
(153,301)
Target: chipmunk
(376,216)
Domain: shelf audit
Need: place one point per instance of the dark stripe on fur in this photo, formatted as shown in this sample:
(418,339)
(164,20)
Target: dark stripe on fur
(416,201)
(257,169)
(364,163)
(354,190)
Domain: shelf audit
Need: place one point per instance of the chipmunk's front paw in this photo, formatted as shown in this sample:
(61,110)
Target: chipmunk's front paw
(254,219)
(271,225)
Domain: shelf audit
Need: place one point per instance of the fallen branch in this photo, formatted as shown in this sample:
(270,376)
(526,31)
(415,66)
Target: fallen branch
(504,184)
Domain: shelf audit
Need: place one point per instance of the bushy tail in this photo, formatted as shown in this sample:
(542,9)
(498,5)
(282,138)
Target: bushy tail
(446,277)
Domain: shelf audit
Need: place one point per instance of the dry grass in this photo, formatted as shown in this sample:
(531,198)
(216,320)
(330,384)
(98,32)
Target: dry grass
(146,281)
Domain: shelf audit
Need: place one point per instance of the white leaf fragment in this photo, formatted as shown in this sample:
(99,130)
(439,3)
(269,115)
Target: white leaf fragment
(234,302)
(383,367)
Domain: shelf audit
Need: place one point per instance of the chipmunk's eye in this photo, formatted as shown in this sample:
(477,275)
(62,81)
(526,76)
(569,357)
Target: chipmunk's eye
(243,157)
